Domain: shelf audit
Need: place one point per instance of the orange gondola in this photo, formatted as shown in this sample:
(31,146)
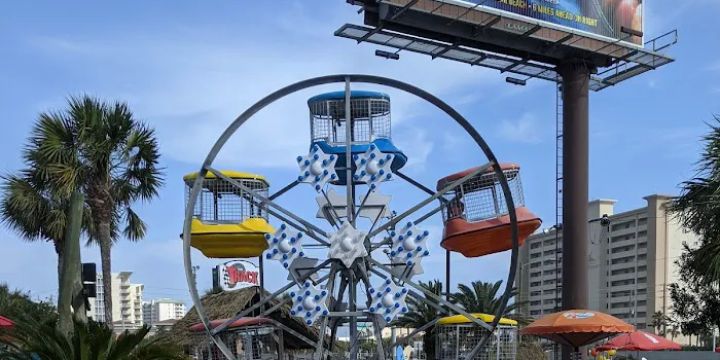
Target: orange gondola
(476,218)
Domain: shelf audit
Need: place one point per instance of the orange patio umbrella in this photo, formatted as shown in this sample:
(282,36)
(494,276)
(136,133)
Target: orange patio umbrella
(577,328)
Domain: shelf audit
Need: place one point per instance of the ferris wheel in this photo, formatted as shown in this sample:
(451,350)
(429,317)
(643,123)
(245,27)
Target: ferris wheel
(370,247)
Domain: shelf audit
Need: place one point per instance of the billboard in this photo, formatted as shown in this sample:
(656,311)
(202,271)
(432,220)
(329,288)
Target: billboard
(599,17)
(237,274)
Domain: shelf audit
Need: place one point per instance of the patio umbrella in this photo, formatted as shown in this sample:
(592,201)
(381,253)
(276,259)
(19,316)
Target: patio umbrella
(5,322)
(639,341)
(577,328)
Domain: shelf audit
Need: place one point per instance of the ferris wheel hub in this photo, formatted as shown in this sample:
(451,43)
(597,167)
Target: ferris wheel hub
(347,244)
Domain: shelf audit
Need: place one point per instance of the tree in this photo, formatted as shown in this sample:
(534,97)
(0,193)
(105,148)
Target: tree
(15,304)
(484,297)
(103,151)
(660,322)
(696,301)
(30,340)
(33,206)
(420,313)
(698,209)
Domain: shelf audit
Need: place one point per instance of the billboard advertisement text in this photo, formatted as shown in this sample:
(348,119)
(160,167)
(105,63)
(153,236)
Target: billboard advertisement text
(600,17)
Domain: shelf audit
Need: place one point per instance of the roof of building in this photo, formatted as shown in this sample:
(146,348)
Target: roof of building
(226,305)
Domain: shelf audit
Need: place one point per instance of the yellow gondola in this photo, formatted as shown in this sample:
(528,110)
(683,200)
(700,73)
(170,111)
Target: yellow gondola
(227,222)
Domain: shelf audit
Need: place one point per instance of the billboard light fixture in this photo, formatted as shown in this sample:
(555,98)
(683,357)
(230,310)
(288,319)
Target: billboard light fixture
(630,31)
(387,54)
(515,81)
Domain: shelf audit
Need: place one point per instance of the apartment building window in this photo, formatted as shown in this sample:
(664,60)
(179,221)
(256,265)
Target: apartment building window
(549,272)
(535,293)
(535,265)
(642,268)
(623,225)
(641,314)
(623,282)
(535,274)
(621,293)
(549,242)
(642,233)
(615,239)
(548,262)
(642,221)
(619,305)
(534,255)
(641,291)
(535,245)
(548,301)
(622,248)
(548,291)
(534,312)
(623,260)
(535,283)
(623,271)
(535,303)
(642,257)
(549,282)
(642,245)
(549,252)
(642,280)
(641,302)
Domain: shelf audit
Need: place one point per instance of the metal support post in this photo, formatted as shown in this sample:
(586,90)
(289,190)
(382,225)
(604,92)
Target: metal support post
(575,85)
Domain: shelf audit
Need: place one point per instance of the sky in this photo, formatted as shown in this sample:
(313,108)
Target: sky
(188,68)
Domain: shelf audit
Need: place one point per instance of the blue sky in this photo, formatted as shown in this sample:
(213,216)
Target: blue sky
(188,68)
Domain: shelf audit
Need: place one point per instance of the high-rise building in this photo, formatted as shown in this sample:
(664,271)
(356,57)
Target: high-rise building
(126,299)
(159,310)
(631,262)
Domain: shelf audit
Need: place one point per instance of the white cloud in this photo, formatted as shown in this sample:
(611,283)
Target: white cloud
(191,90)
(522,130)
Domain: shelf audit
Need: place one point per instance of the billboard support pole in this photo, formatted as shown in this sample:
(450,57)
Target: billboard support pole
(575,83)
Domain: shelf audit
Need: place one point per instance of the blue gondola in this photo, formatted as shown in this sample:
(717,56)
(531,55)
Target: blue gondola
(371,125)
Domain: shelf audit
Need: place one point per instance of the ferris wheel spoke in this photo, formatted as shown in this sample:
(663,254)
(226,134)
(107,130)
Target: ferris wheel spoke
(392,222)
(419,220)
(285,189)
(263,200)
(418,185)
(362,269)
(293,332)
(276,294)
(319,349)
(435,297)
(309,232)
(417,331)
(334,216)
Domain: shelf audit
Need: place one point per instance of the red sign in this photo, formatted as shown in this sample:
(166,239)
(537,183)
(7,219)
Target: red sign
(238,274)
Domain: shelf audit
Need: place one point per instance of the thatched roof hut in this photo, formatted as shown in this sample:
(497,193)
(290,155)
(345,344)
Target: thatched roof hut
(225,305)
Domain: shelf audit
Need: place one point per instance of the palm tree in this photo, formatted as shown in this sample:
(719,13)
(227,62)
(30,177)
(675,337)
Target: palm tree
(659,322)
(103,151)
(30,340)
(698,209)
(484,297)
(33,207)
(421,313)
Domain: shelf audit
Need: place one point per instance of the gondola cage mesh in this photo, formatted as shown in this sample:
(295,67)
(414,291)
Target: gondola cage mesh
(481,197)
(221,202)
(457,340)
(370,116)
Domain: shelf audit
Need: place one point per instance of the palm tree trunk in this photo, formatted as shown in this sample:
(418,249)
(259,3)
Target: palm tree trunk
(105,245)
(71,289)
